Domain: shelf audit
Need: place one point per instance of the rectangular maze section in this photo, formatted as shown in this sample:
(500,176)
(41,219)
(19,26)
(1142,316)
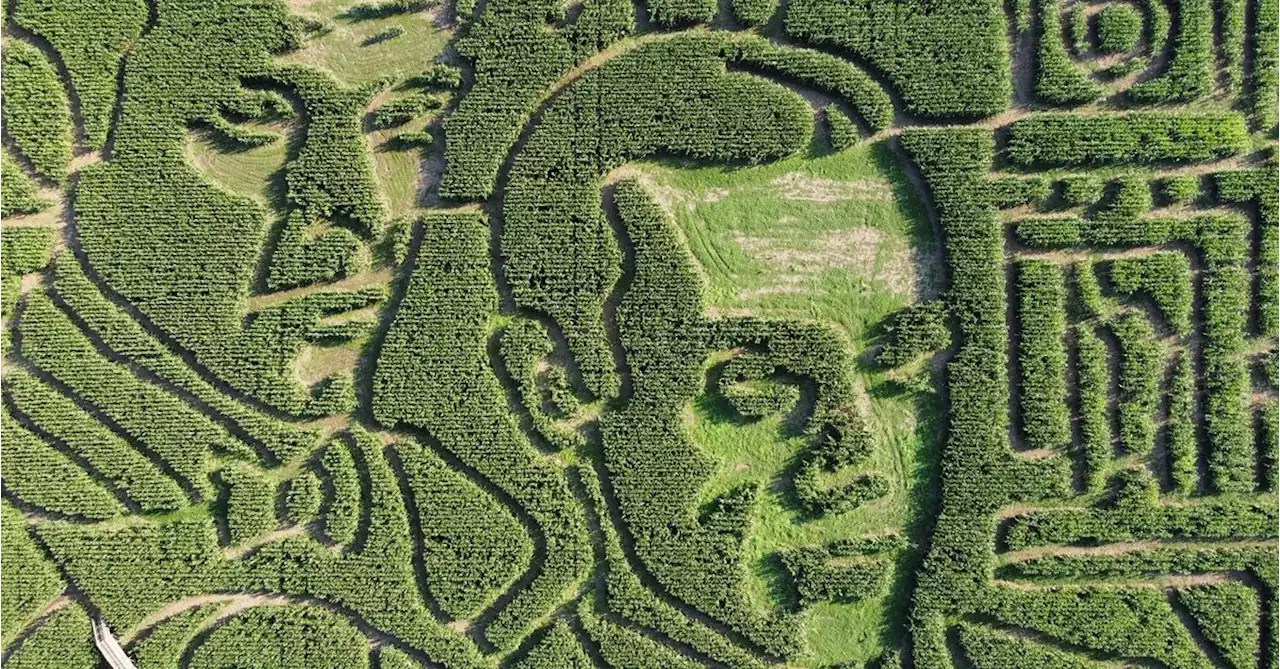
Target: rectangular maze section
(1138,313)
(1114,289)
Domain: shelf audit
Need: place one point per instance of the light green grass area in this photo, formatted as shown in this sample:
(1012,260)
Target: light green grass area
(399,171)
(256,173)
(841,239)
(344,53)
(398,176)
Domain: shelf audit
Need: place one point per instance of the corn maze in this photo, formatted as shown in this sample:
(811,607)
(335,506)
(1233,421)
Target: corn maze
(382,335)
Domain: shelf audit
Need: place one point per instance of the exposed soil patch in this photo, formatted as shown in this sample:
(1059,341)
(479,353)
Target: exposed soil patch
(30,282)
(315,364)
(860,251)
(796,186)
(735,312)
(667,197)
(785,284)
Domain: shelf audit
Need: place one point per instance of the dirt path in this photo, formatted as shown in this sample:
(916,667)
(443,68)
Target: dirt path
(236,552)
(1179,581)
(237,603)
(1120,549)
(379,277)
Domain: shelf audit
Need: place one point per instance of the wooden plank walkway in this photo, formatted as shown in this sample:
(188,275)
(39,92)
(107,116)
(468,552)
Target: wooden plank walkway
(109,647)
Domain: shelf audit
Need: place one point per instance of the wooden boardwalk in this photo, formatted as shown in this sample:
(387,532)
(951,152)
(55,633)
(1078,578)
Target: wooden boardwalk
(109,647)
